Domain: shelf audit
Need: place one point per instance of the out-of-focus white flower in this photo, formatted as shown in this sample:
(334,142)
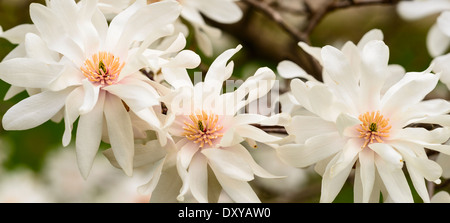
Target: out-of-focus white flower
(23,186)
(97,77)
(222,11)
(438,38)
(355,123)
(441,197)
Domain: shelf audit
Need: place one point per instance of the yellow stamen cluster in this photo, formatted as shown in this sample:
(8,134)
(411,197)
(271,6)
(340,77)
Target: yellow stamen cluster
(373,127)
(202,128)
(102,68)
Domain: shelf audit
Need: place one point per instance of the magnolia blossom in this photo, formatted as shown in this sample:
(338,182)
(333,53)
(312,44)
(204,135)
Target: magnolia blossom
(222,11)
(207,129)
(438,38)
(92,72)
(357,119)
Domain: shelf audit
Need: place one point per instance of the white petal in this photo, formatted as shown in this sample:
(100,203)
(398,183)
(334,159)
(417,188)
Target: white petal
(314,150)
(347,157)
(375,57)
(305,127)
(288,69)
(13,91)
(374,34)
(198,174)
(136,94)
(168,187)
(419,9)
(443,22)
(37,49)
(441,197)
(220,11)
(344,121)
(444,161)
(73,103)
(367,170)
(421,135)
(89,134)
(91,93)
(241,151)
(239,191)
(249,131)
(408,91)
(26,72)
(16,35)
(388,154)
(186,153)
(120,132)
(331,185)
(34,110)
(395,181)
(437,42)
(228,163)
(313,51)
(220,70)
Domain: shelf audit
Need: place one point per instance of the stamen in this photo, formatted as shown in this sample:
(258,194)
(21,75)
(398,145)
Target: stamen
(374,127)
(103,68)
(202,128)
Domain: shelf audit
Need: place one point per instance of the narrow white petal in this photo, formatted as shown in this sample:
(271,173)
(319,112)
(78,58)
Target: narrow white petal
(331,185)
(305,127)
(91,94)
(16,35)
(26,72)
(13,91)
(120,132)
(419,9)
(198,174)
(314,150)
(395,181)
(239,191)
(137,94)
(249,131)
(89,134)
(374,34)
(441,197)
(367,170)
(73,103)
(216,70)
(443,22)
(437,41)
(228,163)
(241,151)
(168,187)
(186,153)
(220,11)
(288,69)
(347,157)
(34,110)
(388,154)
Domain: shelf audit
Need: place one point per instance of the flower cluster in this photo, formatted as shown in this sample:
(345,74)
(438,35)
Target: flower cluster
(121,71)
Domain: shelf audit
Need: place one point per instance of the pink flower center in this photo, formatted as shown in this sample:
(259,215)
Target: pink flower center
(202,128)
(103,68)
(373,127)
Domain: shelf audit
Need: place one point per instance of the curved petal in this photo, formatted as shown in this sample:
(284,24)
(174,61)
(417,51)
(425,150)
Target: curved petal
(35,110)
(16,35)
(91,94)
(331,185)
(251,132)
(314,150)
(288,69)
(437,42)
(395,181)
(347,157)
(27,72)
(89,135)
(410,90)
(71,112)
(228,163)
(367,173)
(239,191)
(136,94)
(241,151)
(120,132)
(419,9)
(388,154)
(220,11)
(220,70)
(198,178)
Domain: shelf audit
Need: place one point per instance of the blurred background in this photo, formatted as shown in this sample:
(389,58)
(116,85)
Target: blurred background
(34,167)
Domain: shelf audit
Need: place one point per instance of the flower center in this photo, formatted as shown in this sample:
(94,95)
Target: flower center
(103,68)
(374,127)
(202,128)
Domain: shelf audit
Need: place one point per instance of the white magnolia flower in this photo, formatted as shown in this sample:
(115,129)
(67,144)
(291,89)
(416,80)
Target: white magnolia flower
(207,130)
(97,77)
(222,11)
(438,38)
(356,122)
